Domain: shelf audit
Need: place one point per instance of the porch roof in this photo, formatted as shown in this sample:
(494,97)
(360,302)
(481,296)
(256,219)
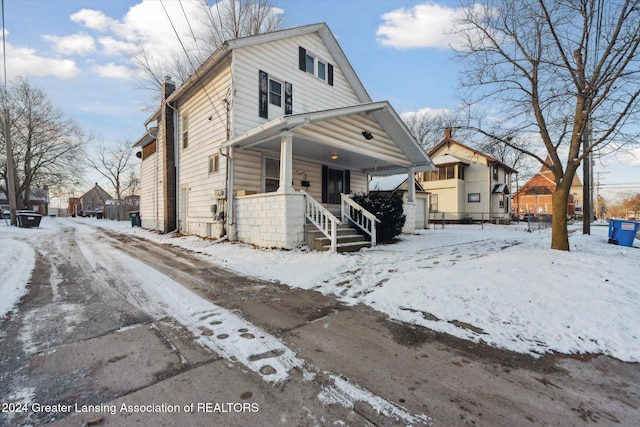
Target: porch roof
(368,137)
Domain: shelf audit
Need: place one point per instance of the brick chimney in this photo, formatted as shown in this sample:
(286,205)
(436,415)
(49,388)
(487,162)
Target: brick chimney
(169,174)
(168,86)
(447,133)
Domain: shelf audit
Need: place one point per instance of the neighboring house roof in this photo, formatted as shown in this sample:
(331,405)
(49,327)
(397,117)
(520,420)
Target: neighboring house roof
(36,195)
(447,141)
(321,29)
(448,159)
(543,182)
(391,183)
(268,136)
(97,192)
(147,138)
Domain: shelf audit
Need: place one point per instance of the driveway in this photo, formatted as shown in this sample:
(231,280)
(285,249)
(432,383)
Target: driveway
(89,344)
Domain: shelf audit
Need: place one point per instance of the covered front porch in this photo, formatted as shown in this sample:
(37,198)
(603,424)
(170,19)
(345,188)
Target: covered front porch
(310,162)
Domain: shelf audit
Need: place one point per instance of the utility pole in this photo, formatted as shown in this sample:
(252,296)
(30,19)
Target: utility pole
(586,181)
(11,185)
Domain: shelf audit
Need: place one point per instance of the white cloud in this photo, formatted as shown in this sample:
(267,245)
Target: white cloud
(93,19)
(428,112)
(113,71)
(112,46)
(27,62)
(75,44)
(422,26)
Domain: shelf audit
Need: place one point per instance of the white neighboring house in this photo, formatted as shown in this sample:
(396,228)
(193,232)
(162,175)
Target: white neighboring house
(468,185)
(271,132)
(399,184)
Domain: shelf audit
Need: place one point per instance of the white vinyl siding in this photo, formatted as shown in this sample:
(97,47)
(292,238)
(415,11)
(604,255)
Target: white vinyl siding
(280,59)
(151,188)
(248,177)
(207,131)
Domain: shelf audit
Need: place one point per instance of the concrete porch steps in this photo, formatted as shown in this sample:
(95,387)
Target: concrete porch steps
(349,240)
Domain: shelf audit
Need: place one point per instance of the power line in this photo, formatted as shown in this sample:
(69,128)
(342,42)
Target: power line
(193,67)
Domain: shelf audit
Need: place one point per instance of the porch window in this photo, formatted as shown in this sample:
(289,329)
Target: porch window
(271,174)
(460,172)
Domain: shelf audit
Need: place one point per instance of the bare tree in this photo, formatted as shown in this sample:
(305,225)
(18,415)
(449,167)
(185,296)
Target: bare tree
(428,126)
(555,69)
(223,20)
(116,164)
(232,19)
(47,147)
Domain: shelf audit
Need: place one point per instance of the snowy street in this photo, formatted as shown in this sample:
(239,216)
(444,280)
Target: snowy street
(486,326)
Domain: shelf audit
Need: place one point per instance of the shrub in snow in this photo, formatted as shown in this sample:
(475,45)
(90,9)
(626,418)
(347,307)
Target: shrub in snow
(388,209)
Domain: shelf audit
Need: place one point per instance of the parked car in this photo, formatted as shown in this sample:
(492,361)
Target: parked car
(6,211)
(529,217)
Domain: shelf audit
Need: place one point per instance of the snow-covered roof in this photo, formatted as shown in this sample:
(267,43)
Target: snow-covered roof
(447,159)
(386,183)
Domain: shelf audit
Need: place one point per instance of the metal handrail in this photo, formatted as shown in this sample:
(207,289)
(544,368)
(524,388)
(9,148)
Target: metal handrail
(366,221)
(324,220)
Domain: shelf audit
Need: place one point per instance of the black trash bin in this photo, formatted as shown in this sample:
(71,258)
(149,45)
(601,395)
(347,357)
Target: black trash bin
(28,219)
(135,218)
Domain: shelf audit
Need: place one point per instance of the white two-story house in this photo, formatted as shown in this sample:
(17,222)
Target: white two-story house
(272,132)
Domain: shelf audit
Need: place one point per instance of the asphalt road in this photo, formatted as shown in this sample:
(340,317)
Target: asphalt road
(87,348)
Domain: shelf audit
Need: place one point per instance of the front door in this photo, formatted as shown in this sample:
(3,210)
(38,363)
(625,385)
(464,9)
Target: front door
(334,182)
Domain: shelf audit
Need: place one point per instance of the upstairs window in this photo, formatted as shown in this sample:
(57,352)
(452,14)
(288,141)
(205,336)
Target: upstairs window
(185,130)
(275,93)
(495,172)
(311,64)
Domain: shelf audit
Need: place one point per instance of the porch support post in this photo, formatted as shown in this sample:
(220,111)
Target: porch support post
(411,182)
(286,163)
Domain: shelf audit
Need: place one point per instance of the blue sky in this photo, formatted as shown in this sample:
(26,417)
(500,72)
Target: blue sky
(79,53)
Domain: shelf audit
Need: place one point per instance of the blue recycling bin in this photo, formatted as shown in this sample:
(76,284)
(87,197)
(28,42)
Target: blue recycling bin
(622,232)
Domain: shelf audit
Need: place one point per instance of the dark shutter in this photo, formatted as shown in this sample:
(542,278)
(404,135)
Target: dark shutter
(347,181)
(263,101)
(302,58)
(325,181)
(288,98)
(330,76)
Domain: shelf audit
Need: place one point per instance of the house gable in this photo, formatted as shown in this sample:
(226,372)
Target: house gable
(291,75)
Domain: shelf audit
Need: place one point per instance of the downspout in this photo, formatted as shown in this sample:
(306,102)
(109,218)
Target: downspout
(229,216)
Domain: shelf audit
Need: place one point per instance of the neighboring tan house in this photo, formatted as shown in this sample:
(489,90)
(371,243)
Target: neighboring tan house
(535,196)
(468,185)
(272,131)
(399,184)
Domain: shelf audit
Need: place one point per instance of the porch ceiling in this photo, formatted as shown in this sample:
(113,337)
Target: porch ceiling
(319,135)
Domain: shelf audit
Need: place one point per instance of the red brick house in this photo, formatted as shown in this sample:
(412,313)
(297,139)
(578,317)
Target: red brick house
(536,194)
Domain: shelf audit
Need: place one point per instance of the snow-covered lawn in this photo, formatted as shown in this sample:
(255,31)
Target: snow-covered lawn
(496,284)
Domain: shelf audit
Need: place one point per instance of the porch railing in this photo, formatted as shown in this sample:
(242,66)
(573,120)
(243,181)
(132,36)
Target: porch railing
(358,215)
(319,216)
